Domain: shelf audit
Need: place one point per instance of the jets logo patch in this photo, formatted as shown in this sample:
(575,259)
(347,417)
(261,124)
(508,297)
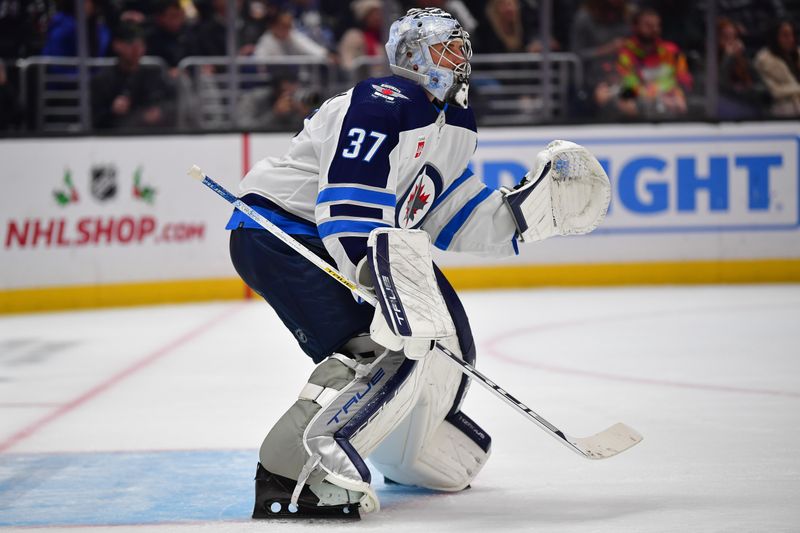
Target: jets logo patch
(387,92)
(419,198)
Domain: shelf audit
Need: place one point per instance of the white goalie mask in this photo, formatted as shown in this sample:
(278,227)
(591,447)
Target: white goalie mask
(408,48)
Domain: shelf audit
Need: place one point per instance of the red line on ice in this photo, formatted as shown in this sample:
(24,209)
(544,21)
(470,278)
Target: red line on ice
(97,390)
(491,346)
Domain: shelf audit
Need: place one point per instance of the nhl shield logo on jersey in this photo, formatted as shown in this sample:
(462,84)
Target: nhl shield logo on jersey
(387,92)
(418,200)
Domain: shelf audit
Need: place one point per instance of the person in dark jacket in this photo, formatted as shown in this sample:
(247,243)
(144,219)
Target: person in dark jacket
(167,38)
(9,112)
(131,95)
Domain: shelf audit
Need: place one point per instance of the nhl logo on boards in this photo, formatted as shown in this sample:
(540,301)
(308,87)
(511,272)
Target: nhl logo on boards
(104,182)
(387,92)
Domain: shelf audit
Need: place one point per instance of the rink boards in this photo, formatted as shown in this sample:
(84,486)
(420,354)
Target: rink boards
(115,220)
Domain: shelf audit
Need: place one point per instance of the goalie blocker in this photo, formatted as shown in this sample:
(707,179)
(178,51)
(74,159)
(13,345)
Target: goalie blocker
(566,193)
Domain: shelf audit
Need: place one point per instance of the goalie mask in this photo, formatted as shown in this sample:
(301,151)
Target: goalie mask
(410,55)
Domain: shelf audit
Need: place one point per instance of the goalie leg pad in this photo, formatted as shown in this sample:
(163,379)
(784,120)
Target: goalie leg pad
(348,407)
(448,459)
(437,446)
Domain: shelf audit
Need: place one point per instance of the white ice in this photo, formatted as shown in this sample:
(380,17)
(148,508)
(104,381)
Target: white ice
(143,419)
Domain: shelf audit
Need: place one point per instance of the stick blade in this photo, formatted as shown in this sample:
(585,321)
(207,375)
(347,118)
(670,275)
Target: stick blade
(607,443)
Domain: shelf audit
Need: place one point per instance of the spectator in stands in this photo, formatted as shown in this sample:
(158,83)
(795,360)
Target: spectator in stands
(167,37)
(254,20)
(283,106)
(23,26)
(683,22)
(753,19)
(282,39)
(62,35)
(779,65)
(9,112)
(366,39)
(209,35)
(309,20)
(740,91)
(507,30)
(131,95)
(652,71)
(597,34)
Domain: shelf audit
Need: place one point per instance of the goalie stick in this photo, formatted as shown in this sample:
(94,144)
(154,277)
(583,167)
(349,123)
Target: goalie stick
(607,443)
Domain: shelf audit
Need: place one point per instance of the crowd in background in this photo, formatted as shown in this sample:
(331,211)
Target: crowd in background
(642,60)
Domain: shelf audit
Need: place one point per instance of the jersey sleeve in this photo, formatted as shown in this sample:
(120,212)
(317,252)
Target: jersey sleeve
(470,217)
(357,193)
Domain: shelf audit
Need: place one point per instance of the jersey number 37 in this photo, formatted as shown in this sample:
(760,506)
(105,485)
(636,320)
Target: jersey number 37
(357,136)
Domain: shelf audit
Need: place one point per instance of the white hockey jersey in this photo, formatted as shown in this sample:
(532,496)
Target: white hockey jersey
(382,154)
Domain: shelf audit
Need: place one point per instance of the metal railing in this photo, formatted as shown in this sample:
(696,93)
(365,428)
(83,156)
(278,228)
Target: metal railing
(506,89)
(512,89)
(52,85)
(211,98)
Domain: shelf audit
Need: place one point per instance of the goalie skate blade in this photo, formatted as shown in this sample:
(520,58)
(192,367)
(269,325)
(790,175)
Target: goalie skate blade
(274,496)
(283,510)
(607,443)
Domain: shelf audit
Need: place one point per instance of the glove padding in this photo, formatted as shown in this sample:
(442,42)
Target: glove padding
(411,315)
(567,193)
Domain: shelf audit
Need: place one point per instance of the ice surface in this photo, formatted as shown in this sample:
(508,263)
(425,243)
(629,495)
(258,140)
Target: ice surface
(149,419)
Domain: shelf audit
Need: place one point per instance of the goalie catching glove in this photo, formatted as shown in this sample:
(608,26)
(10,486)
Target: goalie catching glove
(411,315)
(567,193)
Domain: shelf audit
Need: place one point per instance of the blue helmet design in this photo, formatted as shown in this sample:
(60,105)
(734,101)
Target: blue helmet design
(408,48)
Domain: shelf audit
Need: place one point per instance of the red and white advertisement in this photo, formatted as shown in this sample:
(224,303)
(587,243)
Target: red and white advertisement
(90,211)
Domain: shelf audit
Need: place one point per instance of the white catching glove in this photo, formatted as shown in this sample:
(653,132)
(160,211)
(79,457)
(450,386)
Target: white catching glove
(411,315)
(567,193)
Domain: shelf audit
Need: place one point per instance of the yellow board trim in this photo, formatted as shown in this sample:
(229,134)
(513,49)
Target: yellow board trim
(485,277)
(123,294)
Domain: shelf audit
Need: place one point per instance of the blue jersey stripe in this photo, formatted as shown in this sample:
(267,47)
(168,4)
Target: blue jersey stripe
(354,194)
(333,227)
(453,186)
(451,228)
(292,227)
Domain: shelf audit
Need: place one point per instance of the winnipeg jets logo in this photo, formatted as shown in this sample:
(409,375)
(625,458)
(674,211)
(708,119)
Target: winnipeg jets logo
(387,92)
(419,198)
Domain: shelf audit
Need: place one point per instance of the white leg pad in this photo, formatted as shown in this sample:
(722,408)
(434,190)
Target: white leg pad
(425,449)
(448,461)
